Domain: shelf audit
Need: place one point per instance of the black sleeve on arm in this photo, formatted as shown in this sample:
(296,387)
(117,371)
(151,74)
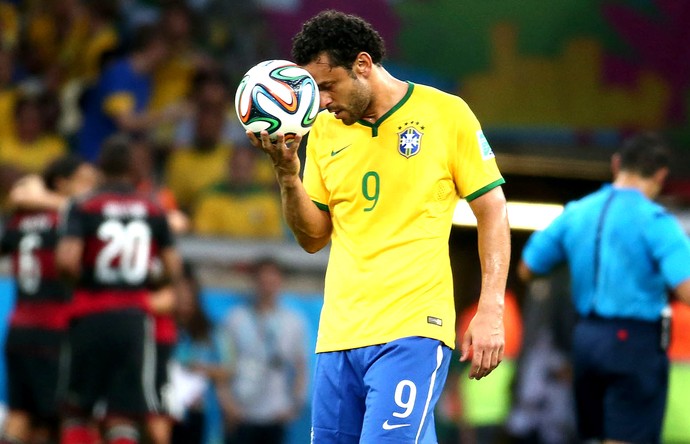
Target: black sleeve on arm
(162,232)
(72,221)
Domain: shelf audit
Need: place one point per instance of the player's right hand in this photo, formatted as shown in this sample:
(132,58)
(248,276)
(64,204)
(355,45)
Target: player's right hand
(283,152)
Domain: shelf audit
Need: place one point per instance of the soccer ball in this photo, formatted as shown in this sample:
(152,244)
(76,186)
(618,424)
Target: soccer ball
(277,96)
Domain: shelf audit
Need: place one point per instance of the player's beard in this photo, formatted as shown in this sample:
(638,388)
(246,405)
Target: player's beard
(357,103)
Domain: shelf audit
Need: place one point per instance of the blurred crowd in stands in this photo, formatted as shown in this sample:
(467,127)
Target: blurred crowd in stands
(161,75)
(74,72)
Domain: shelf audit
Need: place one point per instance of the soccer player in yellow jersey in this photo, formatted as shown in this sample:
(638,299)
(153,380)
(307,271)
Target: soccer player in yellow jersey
(385,168)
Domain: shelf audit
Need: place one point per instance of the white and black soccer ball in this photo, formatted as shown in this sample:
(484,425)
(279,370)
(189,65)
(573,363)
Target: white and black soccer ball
(277,96)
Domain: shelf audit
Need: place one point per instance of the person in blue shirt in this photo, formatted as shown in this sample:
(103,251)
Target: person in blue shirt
(625,254)
(118,101)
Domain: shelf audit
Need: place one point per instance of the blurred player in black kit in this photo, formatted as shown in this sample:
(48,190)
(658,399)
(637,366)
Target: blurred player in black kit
(109,240)
(39,320)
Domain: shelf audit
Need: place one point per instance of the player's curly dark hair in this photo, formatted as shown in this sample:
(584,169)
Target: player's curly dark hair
(341,36)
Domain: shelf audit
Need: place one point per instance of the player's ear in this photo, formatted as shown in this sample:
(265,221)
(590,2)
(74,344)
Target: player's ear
(363,64)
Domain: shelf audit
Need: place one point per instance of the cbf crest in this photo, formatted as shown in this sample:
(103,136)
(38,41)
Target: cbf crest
(410,139)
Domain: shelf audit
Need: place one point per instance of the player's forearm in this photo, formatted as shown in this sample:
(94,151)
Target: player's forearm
(47,201)
(495,259)
(494,253)
(311,226)
(30,192)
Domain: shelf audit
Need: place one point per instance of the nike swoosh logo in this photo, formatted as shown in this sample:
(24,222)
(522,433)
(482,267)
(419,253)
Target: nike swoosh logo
(387,426)
(334,152)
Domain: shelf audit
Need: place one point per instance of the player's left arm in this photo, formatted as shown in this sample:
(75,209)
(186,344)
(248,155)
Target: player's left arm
(486,331)
(30,192)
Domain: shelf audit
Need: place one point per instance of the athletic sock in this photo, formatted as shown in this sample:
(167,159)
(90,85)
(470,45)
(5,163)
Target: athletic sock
(78,431)
(122,434)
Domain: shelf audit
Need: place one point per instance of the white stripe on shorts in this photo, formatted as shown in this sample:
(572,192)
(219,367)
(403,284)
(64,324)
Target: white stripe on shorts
(148,375)
(439,360)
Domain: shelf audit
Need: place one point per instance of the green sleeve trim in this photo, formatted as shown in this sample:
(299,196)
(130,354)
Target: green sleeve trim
(485,189)
(321,206)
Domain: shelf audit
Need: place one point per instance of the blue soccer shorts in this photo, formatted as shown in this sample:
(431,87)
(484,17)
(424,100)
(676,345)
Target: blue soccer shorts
(379,394)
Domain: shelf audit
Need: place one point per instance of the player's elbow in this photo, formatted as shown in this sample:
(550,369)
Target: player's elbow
(312,245)
(313,238)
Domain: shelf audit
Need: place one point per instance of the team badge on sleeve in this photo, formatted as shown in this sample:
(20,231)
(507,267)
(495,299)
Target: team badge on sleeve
(484,147)
(409,141)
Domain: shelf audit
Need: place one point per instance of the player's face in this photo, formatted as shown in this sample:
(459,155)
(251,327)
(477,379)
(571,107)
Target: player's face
(341,91)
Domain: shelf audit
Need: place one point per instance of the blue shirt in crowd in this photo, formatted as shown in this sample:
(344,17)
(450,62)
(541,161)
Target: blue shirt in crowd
(624,251)
(118,80)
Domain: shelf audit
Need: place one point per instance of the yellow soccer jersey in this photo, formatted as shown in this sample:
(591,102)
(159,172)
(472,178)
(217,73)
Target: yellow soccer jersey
(391,189)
